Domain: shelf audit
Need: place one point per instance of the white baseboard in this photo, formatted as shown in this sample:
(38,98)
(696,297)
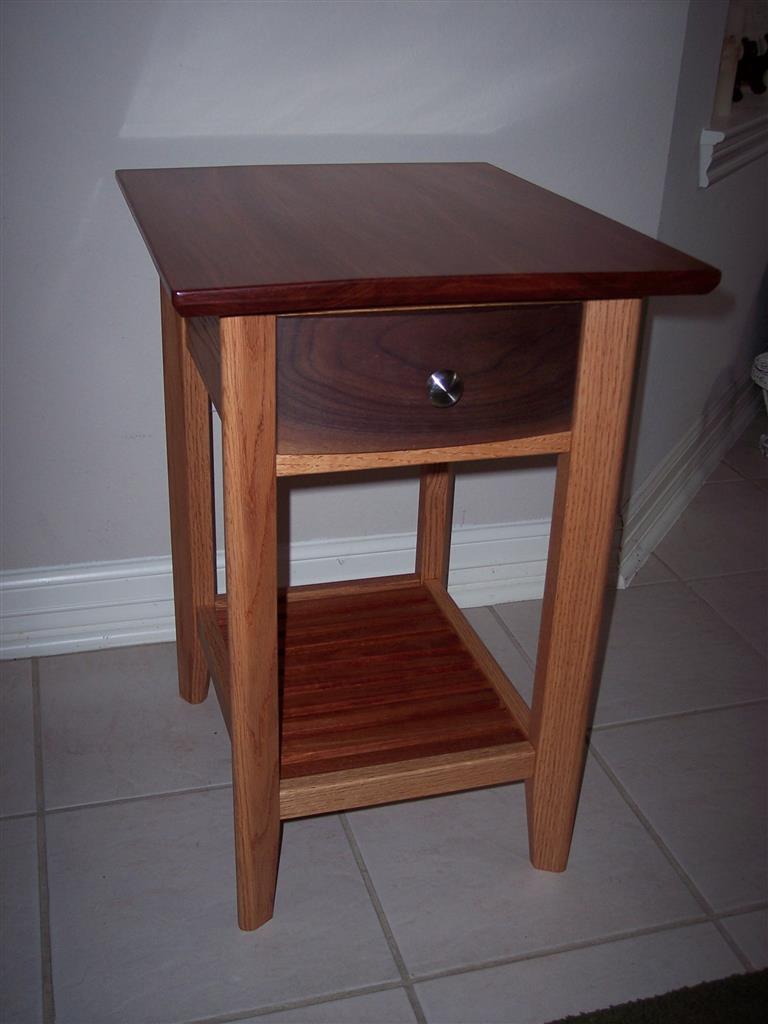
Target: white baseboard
(116,604)
(660,500)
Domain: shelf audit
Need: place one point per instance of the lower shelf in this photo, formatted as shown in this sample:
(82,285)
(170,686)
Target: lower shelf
(384,695)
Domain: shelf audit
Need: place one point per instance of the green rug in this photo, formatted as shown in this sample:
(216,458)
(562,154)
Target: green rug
(740,999)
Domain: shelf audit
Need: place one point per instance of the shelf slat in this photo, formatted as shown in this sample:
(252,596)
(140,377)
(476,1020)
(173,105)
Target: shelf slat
(383,696)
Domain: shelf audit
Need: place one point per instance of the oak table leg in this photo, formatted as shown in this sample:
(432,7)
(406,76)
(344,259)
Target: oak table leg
(433,535)
(586,495)
(188,431)
(248,441)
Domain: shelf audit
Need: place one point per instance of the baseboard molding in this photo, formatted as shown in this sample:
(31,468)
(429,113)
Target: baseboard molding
(660,500)
(115,604)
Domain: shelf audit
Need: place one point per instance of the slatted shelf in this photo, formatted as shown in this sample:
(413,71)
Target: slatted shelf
(379,685)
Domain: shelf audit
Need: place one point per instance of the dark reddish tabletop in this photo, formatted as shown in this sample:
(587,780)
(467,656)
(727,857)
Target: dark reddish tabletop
(276,239)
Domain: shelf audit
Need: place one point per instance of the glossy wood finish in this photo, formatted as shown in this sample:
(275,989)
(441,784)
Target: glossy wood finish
(188,433)
(372,677)
(359,383)
(232,241)
(583,524)
(376,679)
(248,442)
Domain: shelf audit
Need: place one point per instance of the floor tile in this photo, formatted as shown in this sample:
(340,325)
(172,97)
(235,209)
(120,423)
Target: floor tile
(114,726)
(143,894)
(667,652)
(457,886)
(723,472)
(391,1006)
(700,780)
(17,748)
(654,571)
(722,531)
(745,456)
(547,988)
(522,619)
(750,932)
(20,974)
(742,600)
(502,647)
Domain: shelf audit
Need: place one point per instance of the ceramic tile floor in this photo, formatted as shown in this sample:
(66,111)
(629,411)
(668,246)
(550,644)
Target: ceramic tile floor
(117,875)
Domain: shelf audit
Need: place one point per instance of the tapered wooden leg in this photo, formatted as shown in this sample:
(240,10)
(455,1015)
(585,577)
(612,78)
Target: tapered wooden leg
(248,439)
(188,432)
(586,496)
(433,536)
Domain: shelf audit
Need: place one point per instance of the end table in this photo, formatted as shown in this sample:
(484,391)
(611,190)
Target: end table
(358,316)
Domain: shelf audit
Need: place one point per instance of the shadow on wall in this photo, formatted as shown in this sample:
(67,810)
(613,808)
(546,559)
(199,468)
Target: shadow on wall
(689,309)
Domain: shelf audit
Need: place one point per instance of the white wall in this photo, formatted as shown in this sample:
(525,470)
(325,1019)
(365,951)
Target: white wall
(576,95)
(700,347)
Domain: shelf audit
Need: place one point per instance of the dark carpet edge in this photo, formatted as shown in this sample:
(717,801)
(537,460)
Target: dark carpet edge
(738,999)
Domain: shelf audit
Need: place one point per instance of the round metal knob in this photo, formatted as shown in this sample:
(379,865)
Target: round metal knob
(445,388)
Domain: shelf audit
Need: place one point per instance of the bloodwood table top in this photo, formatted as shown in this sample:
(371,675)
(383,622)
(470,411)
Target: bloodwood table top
(233,241)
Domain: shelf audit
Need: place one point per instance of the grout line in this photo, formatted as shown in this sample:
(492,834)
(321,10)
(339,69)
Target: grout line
(677,577)
(66,808)
(451,972)
(634,585)
(735,948)
(736,632)
(46,959)
(17,816)
(296,1004)
(385,926)
(747,908)
(685,878)
(673,715)
(722,575)
(516,643)
(743,478)
(567,947)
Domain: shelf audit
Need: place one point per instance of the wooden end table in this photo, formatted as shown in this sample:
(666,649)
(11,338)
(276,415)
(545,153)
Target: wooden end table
(359,316)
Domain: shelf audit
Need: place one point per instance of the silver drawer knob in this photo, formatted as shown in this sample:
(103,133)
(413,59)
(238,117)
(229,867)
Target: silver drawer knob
(445,388)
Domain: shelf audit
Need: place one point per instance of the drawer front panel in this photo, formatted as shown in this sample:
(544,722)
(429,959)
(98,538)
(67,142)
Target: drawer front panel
(359,382)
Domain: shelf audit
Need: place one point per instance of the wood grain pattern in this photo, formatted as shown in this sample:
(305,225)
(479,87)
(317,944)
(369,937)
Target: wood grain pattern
(378,677)
(217,655)
(483,657)
(350,588)
(405,780)
(188,440)
(386,779)
(205,348)
(359,383)
(248,442)
(433,532)
(586,497)
(232,241)
(304,465)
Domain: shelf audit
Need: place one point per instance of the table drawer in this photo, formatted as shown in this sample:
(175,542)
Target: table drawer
(359,382)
